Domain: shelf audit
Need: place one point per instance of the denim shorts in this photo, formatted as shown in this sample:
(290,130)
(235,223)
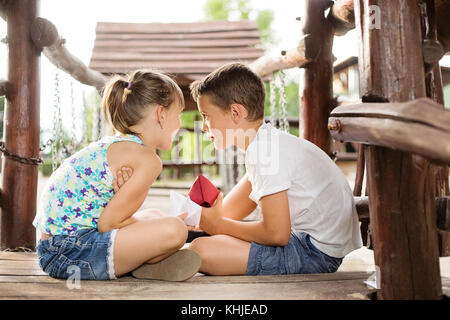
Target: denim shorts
(298,256)
(86,252)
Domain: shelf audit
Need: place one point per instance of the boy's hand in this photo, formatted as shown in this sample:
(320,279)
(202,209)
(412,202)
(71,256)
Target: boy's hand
(122,176)
(211,217)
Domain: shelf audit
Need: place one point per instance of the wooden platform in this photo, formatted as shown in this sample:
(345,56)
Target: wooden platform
(21,278)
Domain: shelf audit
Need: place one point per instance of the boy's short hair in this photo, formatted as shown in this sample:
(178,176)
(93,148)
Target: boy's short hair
(233,83)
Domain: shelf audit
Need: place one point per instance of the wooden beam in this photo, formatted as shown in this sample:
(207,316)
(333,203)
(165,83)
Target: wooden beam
(433,79)
(342,16)
(442,210)
(443,27)
(21,129)
(45,36)
(317,93)
(401,185)
(4,7)
(343,19)
(267,64)
(420,126)
(443,213)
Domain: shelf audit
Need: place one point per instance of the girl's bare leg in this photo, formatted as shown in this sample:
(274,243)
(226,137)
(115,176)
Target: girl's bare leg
(149,240)
(222,254)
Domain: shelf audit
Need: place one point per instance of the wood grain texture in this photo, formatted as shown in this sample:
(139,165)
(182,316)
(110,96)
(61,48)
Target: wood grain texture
(21,129)
(401,185)
(317,93)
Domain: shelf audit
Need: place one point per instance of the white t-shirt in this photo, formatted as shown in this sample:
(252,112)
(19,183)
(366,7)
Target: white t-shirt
(321,201)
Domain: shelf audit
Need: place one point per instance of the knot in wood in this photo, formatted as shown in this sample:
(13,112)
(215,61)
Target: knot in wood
(335,126)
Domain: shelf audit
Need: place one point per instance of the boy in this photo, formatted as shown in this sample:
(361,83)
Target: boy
(309,217)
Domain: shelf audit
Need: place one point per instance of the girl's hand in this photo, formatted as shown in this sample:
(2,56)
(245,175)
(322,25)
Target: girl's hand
(122,176)
(212,217)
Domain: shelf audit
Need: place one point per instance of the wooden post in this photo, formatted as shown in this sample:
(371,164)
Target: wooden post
(21,128)
(433,78)
(317,96)
(401,185)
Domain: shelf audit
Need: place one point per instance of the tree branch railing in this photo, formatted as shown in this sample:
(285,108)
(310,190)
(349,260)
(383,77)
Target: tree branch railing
(408,126)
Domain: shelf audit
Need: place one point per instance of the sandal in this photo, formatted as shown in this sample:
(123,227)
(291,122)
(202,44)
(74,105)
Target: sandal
(179,266)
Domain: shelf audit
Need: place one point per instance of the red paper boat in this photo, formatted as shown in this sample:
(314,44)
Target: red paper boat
(203,192)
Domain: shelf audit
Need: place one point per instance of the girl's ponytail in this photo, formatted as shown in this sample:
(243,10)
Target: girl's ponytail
(124,101)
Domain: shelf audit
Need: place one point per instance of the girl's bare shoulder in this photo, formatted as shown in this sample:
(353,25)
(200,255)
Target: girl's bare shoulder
(132,155)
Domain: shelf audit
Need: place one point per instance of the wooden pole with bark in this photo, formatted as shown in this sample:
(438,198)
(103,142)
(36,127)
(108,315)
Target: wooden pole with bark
(317,95)
(433,78)
(21,129)
(401,185)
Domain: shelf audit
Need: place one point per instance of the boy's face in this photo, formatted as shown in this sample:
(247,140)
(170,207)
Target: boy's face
(216,122)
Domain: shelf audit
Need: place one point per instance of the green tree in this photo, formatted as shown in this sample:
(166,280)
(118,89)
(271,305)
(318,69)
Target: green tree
(223,9)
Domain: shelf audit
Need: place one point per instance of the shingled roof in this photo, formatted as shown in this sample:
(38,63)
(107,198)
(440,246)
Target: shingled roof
(188,51)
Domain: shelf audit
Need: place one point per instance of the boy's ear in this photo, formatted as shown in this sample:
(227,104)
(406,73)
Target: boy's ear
(238,112)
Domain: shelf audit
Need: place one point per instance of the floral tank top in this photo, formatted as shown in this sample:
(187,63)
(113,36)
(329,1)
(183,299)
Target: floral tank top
(79,190)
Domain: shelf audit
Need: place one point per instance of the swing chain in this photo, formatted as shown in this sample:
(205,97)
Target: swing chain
(71,148)
(57,126)
(273,110)
(278,118)
(283,103)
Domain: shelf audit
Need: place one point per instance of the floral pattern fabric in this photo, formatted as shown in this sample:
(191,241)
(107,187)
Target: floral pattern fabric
(79,190)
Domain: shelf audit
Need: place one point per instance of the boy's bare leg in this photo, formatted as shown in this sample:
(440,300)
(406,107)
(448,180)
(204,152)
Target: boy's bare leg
(222,254)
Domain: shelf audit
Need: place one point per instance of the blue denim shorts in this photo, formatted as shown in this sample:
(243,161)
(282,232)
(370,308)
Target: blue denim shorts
(86,252)
(298,256)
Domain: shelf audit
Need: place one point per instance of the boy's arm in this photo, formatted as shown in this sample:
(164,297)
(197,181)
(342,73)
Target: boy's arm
(273,230)
(237,204)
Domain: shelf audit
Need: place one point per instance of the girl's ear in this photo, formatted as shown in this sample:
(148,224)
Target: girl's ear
(238,112)
(161,115)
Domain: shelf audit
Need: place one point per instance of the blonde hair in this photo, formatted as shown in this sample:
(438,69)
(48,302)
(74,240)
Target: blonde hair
(125,101)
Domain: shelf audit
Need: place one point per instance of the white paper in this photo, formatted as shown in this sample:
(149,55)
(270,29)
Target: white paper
(374,281)
(180,204)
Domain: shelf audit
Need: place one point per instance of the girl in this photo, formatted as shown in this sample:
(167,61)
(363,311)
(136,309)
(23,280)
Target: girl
(90,229)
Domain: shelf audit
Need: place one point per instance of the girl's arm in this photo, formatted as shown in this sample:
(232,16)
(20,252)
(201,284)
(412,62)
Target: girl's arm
(273,230)
(129,198)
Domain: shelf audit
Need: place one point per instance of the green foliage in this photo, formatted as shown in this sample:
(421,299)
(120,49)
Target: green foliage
(217,9)
(223,9)
(291,90)
(264,20)
(46,168)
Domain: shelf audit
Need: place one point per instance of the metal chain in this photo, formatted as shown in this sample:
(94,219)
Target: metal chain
(95,122)
(284,125)
(71,147)
(273,101)
(15,157)
(18,249)
(85,135)
(57,126)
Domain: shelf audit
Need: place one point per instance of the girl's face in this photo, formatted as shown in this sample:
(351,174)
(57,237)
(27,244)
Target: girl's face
(216,122)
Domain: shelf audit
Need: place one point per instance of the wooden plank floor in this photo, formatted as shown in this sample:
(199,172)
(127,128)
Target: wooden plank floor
(21,278)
